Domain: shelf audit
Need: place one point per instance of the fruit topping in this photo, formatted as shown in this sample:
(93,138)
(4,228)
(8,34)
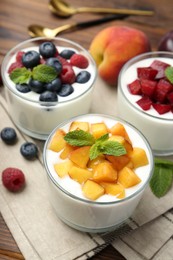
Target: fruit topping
(68,75)
(48,96)
(29,150)
(67,53)
(31,59)
(36,85)
(47,49)
(65,90)
(154,85)
(8,135)
(83,77)
(14,66)
(13,179)
(54,85)
(55,63)
(79,61)
(23,88)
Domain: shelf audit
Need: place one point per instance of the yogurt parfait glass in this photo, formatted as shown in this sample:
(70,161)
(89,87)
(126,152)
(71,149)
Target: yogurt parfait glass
(107,212)
(156,127)
(38,118)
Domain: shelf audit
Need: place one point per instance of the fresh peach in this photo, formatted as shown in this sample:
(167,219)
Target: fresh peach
(113,46)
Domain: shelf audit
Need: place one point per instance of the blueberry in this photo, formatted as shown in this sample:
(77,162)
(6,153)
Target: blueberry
(66,90)
(29,150)
(48,96)
(31,59)
(66,53)
(54,85)
(23,88)
(36,86)
(8,135)
(83,77)
(47,49)
(54,62)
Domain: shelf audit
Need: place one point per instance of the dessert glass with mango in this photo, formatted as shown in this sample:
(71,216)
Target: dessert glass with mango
(145,98)
(97,170)
(46,82)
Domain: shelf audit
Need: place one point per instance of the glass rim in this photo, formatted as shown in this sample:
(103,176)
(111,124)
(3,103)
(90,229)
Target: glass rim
(12,51)
(151,160)
(131,62)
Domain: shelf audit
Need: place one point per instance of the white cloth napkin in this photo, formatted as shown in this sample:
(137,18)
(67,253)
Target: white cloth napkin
(36,228)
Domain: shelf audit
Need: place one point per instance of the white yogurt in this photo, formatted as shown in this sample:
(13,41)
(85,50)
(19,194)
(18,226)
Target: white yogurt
(106,212)
(39,120)
(158,129)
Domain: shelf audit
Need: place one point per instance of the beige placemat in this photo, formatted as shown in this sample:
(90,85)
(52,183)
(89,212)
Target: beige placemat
(30,217)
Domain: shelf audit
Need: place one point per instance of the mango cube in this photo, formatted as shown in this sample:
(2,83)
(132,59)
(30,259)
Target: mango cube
(92,190)
(80,156)
(98,129)
(63,168)
(58,143)
(128,178)
(138,157)
(119,129)
(75,125)
(93,163)
(118,162)
(114,189)
(80,175)
(66,151)
(104,172)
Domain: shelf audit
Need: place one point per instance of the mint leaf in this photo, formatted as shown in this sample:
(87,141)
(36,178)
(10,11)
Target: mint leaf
(164,162)
(44,73)
(161,180)
(20,75)
(79,138)
(94,151)
(103,138)
(169,73)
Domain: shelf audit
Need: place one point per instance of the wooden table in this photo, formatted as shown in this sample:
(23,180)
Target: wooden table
(15,16)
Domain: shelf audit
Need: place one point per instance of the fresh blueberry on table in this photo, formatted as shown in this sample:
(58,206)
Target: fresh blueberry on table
(47,49)
(31,59)
(48,96)
(67,53)
(83,77)
(66,90)
(29,150)
(8,135)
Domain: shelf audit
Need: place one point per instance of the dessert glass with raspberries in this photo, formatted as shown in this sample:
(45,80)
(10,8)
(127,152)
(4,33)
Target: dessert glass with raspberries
(145,98)
(47,81)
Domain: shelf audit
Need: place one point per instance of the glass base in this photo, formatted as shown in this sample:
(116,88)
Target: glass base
(34,135)
(162,153)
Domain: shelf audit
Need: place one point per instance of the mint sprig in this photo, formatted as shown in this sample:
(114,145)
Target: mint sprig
(98,146)
(162,178)
(42,72)
(169,73)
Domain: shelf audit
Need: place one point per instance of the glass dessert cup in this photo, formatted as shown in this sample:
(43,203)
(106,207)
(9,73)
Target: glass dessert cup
(37,118)
(98,215)
(155,127)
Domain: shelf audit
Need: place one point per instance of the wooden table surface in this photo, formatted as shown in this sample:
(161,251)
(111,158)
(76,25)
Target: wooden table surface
(16,16)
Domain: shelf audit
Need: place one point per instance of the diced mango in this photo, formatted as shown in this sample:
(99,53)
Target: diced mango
(98,129)
(80,156)
(138,157)
(80,175)
(63,168)
(93,163)
(114,189)
(92,190)
(119,129)
(79,125)
(66,151)
(104,172)
(118,162)
(57,143)
(120,139)
(128,178)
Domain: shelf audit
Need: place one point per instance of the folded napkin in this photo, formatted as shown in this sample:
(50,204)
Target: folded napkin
(36,228)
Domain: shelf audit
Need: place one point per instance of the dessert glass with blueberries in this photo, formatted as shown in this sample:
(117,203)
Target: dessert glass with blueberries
(46,82)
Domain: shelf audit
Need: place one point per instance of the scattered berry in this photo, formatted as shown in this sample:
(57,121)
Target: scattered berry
(67,53)
(67,75)
(8,135)
(48,96)
(66,90)
(79,61)
(13,179)
(31,59)
(29,150)
(83,77)
(47,49)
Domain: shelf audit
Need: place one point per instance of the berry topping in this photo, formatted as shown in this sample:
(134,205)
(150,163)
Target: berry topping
(146,73)
(145,103)
(36,86)
(31,59)
(83,77)
(47,49)
(54,62)
(79,61)
(67,75)
(54,85)
(14,66)
(66,90)
(8,135)
(48,96)
(67,53)
(23,88)
(13,179)
(19,56)
(135,87)
(29,150)
(160,66)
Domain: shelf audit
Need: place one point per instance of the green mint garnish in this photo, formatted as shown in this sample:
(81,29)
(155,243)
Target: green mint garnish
(162,178)
(20,75)
(42,72)
(169,73)
(98,146)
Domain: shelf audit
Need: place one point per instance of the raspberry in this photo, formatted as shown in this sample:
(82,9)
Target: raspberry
(19,56)
(79,61)
(13,179)
(67,75)
(14,66)
(62,60)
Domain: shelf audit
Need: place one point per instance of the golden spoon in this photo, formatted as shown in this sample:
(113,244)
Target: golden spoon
(61,8)
(35,30)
